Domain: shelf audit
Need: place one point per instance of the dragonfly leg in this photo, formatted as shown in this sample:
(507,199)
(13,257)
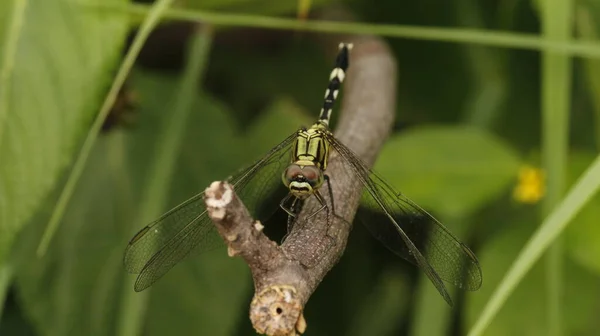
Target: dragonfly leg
(327,239)
(290,210)
(330,192)
(321,201)
(293,210)
(332,201)
(325,236)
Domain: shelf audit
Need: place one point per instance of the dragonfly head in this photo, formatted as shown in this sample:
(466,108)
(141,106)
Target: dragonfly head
(302,180)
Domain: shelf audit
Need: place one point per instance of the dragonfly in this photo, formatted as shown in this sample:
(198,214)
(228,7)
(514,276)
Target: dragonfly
(300,162)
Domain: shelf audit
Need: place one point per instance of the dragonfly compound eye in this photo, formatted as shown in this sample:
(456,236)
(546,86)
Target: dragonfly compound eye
(302,180)
(313,175)
(291,174)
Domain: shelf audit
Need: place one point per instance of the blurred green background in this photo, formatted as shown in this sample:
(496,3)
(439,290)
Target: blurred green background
(498,105)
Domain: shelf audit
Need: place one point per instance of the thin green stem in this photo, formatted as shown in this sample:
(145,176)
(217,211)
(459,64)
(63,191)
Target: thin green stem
(445,34)
(578,196)
(8,61)
(6,275)
(556,101)
(483,106)
(151,20)
(586,28)
(163,167)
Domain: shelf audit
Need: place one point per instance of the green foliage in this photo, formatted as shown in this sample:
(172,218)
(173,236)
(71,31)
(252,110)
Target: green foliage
(523,312)
(52,80)
(83,267)
(453,170)
(553,225)
(467,114)
(377,315)
(87,253)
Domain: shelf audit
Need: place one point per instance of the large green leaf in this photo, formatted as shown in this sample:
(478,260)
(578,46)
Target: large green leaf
(452,170)
(62,61)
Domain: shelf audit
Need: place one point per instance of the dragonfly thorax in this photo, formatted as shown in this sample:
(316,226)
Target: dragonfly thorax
(311,147)
(302,178)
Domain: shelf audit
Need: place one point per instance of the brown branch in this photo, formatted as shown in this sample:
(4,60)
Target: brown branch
(283,282)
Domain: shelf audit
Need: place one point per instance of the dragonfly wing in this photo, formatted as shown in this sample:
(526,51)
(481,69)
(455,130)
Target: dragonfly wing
(412,233)
(175,250)
(156,248)
(159,233)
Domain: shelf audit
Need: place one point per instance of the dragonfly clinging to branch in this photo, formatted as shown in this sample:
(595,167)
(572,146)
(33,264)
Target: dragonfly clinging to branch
(300,161)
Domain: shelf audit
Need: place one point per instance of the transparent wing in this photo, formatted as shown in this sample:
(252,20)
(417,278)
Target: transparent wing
(412,233)
(156,248)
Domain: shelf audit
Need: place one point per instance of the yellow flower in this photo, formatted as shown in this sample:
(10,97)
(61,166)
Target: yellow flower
(531,185)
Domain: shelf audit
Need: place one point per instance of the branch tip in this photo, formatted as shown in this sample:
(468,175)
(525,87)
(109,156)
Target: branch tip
(218,195)
(277,310)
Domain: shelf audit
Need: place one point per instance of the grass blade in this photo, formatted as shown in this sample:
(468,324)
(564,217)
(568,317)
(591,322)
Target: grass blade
(556,101)
(6,275)
(586,28)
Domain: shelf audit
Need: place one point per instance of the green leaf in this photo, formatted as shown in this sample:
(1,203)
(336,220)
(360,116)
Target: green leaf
(51,84)
(582,238)
(453,170)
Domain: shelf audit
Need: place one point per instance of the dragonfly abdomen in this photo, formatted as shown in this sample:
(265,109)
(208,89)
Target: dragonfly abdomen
(335,82)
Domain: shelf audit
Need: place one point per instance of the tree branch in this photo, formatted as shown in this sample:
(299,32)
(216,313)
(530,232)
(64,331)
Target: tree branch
(283,282)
